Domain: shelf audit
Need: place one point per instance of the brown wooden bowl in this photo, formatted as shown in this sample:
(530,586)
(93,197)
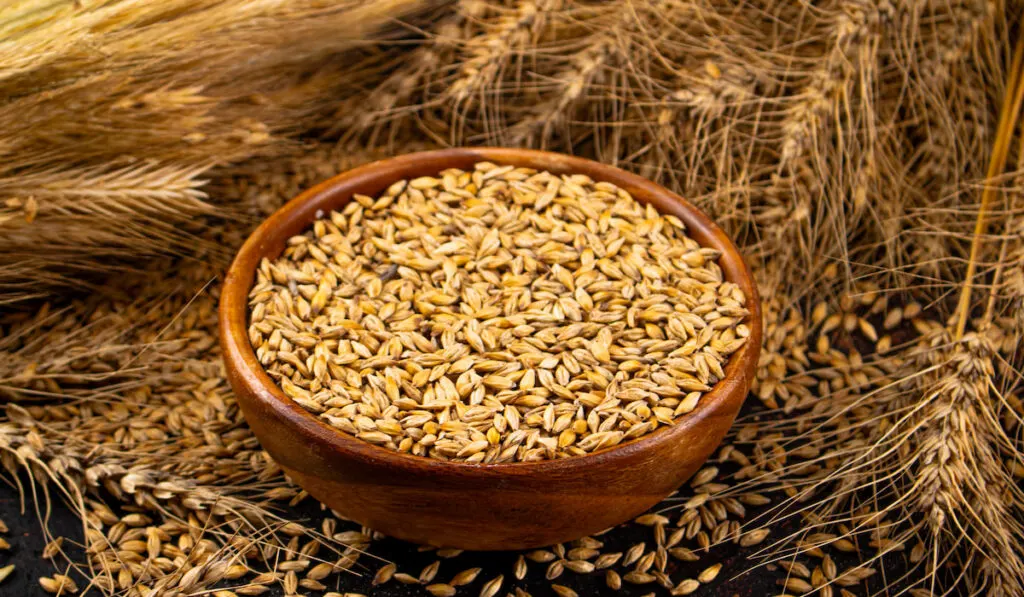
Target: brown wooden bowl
(476,506)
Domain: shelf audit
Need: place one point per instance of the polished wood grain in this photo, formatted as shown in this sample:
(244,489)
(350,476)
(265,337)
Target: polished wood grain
(476,506)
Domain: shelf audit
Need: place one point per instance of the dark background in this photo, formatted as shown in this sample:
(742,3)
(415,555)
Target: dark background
(27,542)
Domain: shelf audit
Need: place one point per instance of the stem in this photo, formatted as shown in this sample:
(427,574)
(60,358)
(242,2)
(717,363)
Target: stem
(1007,124)
(1010,227)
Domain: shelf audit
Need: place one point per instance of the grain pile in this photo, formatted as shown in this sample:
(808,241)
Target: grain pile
(846,146)
(497,315)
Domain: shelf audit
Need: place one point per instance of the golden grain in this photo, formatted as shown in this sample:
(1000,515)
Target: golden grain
(406,579)
(638,578)
(613,580)
(684,554)
(318,572)
(441,590)
(686,587)
(579,566)
(634,553)
(465,577)
(709,573)
(491,588)
(312,585)
(644,563)
(429,572)
(606,560)
(754,537)
(797,585)
(554,570)
(544,360)
(520,568)
(58,584)
(384,574)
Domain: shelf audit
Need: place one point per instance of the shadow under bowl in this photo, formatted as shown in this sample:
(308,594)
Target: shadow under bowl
(476,506)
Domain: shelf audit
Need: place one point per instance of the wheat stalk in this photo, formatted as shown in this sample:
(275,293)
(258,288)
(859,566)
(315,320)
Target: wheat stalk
(841,144)
(117,110)
(1007,124)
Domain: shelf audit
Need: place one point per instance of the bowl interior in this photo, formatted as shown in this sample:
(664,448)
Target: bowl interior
(295,217)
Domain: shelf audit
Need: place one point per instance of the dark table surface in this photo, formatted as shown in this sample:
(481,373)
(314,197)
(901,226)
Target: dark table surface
(27,543)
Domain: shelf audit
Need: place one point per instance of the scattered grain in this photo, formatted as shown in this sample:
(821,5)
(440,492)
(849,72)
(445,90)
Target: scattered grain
(686,587)
(384,574)
(465,577)
(441,590)
(492,587)
(613,580)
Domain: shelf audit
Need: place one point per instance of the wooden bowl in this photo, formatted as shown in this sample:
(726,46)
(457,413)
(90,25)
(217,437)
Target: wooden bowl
(476,506)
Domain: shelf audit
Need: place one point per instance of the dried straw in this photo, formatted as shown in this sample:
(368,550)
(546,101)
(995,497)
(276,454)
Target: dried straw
(114,112)
(845,145)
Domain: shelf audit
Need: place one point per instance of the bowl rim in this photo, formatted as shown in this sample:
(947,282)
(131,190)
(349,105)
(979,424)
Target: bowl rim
(238,353)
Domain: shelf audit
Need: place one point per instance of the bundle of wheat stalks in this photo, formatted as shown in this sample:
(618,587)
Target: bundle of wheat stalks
(865,155)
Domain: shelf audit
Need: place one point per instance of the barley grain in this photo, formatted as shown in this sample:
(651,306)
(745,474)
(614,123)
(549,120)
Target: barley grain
(406,579)
(754,537)
(441,590)
(520,568)
(579,566)
(554,570)
(384,574)
(634,553)
(53,547)
(319,572)
(686,587)
(644,564)
(582,553)
(651,519)
(290,583)
(541,556)
(795,568)
(684,554)
(465,577)
(492,587)
(429,572)
(828,567)
(709,573)
(530,266)
(312,585)
(797,585)
(58,584)
(607,560)
(638,578)
(613,580)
